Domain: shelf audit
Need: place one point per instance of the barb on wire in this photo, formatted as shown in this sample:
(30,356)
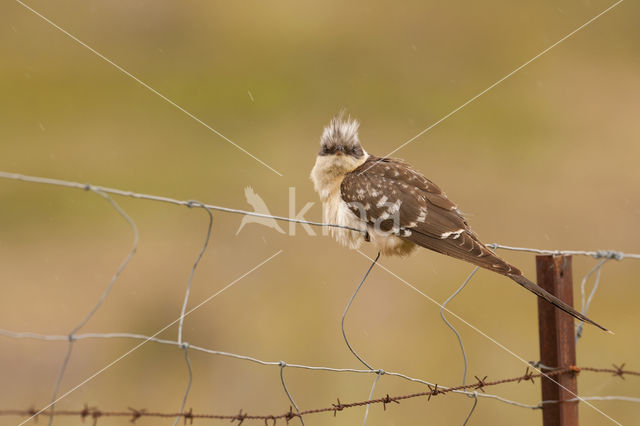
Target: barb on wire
(529,374)
(134,248)
(240,357)
(601,255)
(145,340)
(432,300)
(134,414)
(344,315)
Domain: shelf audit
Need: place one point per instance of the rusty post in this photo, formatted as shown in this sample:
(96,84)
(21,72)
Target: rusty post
(557,340)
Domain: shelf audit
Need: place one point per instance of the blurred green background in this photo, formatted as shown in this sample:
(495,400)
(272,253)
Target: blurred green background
(547,159)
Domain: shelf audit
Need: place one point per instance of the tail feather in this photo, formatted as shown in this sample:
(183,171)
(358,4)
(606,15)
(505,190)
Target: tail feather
(540,292)
(466,246)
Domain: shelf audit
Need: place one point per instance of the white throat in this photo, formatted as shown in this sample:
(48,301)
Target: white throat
(327,176)
(329,170)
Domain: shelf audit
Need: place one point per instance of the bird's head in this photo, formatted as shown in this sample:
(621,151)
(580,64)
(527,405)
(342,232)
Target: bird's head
(340,145)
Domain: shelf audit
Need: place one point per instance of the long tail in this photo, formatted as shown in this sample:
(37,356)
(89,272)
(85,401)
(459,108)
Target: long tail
(466,246)
(540,292)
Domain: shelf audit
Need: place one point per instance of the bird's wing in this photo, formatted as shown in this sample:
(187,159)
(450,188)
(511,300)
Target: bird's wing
(389,193)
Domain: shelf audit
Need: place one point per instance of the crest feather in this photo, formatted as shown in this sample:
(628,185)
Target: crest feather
(341,131)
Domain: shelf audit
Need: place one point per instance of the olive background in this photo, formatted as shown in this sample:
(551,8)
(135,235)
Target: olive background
(548,158)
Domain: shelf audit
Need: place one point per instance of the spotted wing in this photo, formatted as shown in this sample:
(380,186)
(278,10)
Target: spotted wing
(390,195)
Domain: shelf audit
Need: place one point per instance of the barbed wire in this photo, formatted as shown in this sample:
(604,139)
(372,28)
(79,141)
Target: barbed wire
(241,417)
(603,256)
(435,390)
(27,335)
(491,339)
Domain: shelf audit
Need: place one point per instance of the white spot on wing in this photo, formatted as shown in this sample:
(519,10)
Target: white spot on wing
(382,201)
(456,234)
(395,207)
(423,215)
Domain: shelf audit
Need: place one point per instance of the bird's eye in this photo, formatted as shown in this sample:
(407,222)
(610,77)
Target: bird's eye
(324,150)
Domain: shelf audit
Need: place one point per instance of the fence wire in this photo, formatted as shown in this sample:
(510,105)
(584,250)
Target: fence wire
(474,390)
(338,406)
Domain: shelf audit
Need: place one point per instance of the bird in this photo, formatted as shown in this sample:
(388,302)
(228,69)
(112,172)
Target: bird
(259,206)
(394,206)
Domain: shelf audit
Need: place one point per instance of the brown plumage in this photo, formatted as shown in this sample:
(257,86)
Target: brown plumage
(399,208)
(444,229)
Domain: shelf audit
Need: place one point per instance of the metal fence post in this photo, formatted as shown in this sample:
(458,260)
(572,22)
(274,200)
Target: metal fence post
(557,340)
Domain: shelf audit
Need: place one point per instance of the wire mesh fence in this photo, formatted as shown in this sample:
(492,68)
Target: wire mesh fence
(471,388)
(474,388)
